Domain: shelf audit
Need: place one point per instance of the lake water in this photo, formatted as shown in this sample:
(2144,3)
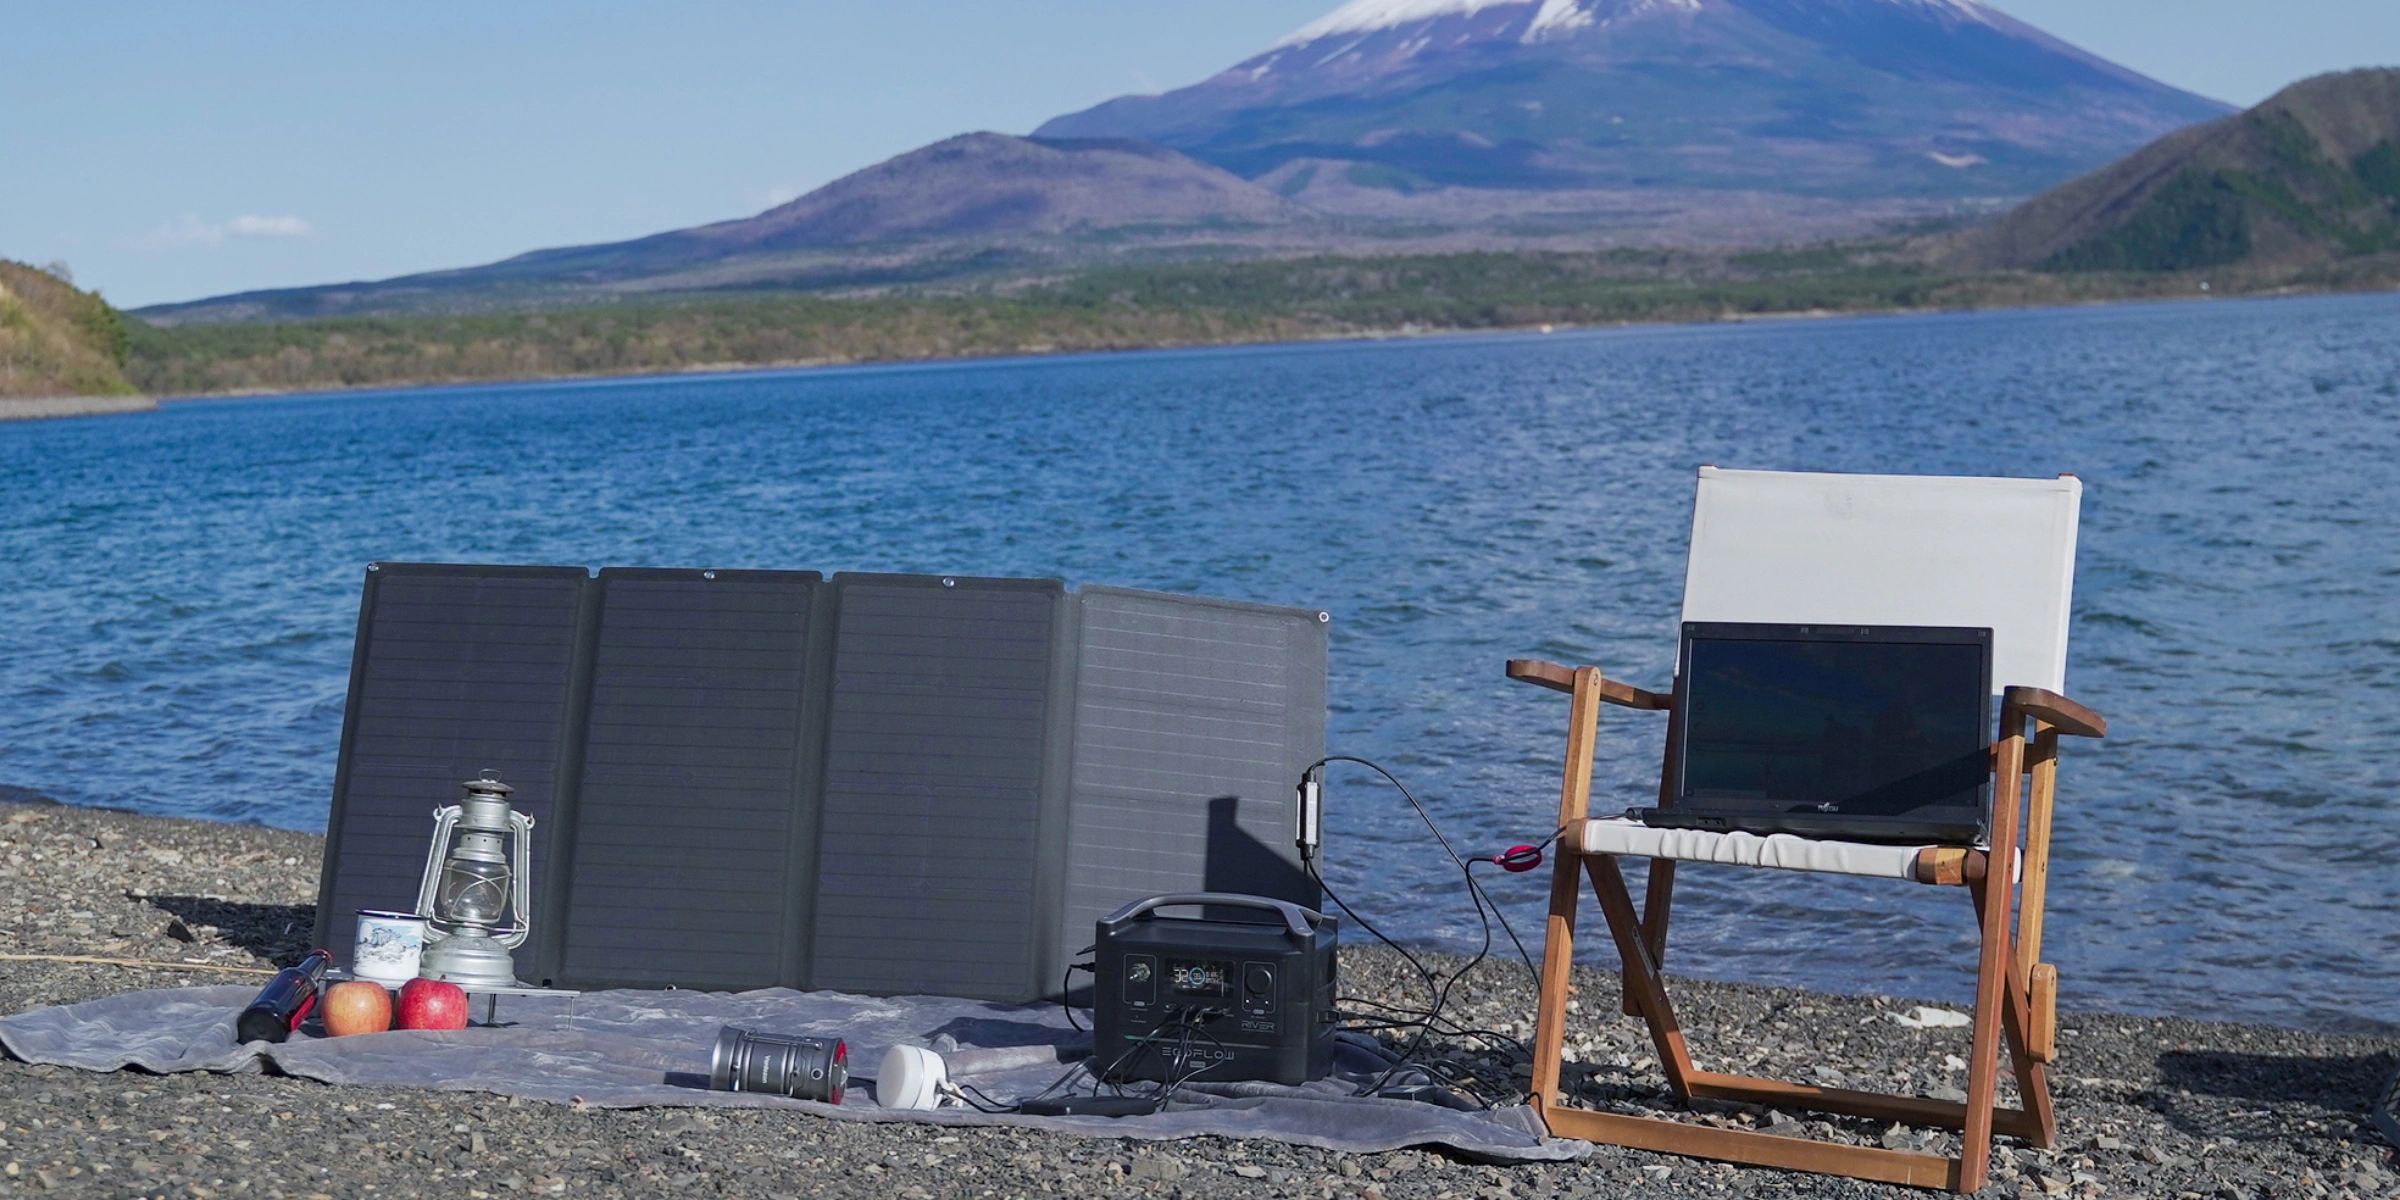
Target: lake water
(178,591)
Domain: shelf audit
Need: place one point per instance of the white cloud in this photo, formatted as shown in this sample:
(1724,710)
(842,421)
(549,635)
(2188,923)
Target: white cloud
(285,226)
(189,230)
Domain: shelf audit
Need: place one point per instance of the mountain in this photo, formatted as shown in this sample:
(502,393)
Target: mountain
(56,340)
(1417,126)
(979,198)
(2309,177)
(1943,99)
(979,186)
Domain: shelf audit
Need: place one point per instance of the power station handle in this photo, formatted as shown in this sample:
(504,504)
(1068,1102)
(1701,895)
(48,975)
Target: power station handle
(1302,922)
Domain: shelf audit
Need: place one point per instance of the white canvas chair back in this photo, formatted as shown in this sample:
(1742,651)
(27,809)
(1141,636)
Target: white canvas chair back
(1804,548)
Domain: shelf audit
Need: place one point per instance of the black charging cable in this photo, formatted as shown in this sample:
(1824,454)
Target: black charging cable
(1064,978)
(1176,1062)
(1515,859)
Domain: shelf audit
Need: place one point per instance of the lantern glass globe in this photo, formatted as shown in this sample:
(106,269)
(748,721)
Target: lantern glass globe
(473,893)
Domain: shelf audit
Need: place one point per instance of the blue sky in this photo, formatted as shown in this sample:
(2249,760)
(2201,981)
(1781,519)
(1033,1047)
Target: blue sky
(168,151)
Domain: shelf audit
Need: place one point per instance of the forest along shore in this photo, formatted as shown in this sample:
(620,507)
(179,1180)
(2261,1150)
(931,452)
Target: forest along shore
(1128,308)
(2147,1107)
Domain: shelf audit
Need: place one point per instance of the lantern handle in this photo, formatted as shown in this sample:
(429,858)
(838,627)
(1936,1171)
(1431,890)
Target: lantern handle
(523,871)
(444,820)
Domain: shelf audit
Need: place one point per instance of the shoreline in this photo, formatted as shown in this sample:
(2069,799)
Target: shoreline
(42,408)
(2148,1106)
(1405,332)
(2343,1025)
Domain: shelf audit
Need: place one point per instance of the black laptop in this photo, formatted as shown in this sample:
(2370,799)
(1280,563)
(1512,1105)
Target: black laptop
(1853,732)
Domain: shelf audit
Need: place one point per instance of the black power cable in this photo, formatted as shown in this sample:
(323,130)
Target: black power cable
(1063,978)
(1474,887)
(1177,1063)
(1394,1016)
(1437,990)
(1430,1019)
(1530,968)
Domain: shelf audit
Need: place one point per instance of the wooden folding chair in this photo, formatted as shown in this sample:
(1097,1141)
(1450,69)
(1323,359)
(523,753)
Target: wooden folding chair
(1844,549)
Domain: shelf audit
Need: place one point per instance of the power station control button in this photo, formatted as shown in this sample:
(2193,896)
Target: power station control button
(1259,980)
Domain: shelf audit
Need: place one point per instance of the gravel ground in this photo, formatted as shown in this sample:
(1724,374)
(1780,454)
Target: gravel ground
(2168,1108)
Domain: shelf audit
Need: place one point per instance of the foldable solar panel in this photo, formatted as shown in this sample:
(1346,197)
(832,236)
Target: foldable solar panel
(691,832)
(882,784)
(934,836)
(1193,720)
(456,669)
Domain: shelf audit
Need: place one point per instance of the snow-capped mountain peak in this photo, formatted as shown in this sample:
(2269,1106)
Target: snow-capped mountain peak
(1367,16)
(1548,18)
(1900,98)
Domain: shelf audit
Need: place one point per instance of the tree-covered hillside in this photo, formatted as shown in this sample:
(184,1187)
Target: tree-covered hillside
(56,340)
(2308,178)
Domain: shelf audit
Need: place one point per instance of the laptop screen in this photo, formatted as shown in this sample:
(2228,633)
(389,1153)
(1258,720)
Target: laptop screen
(1862,721)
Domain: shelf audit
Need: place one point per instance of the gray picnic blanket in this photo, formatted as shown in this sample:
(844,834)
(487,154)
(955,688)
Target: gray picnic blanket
(636,1049)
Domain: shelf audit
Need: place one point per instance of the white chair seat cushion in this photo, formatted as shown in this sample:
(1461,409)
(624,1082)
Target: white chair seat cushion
(1782,851)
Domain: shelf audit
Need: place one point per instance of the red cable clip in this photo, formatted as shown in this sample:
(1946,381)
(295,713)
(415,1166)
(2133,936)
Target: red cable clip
(1518,859)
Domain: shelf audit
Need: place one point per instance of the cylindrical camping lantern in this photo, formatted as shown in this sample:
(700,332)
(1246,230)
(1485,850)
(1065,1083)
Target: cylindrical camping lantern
(804,1068)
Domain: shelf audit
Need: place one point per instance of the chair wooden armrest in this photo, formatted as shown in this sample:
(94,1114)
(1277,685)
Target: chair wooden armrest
(2057,711)
(1562,679)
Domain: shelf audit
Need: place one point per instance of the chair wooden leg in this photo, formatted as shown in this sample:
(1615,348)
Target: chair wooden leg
(2021,1014)
(2042,986)
(1983,1062)
(1993,969)
(2041,771)
(1558,963)
(1658,904)
(1558,938)
(1640,972)
(1658,889)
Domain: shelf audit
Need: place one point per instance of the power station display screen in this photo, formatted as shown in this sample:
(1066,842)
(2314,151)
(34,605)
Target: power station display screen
(1196,977)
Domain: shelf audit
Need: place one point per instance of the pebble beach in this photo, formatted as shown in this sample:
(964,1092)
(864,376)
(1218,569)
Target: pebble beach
(2173,1108)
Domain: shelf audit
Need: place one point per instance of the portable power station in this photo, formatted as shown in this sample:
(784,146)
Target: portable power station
(1181,998)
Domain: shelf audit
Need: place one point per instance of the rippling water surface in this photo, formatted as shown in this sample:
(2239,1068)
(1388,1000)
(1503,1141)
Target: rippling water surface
(178,591)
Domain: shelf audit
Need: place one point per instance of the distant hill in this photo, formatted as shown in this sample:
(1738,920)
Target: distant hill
(985,185)
(56,340)
(978,198)
(2309,177)
(1856,99)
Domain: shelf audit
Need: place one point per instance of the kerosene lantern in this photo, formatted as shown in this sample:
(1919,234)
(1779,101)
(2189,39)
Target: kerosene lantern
(473,881)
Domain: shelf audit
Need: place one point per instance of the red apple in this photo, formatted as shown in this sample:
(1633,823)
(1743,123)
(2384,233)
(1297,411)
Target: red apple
(357,1006)
(432,1004)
